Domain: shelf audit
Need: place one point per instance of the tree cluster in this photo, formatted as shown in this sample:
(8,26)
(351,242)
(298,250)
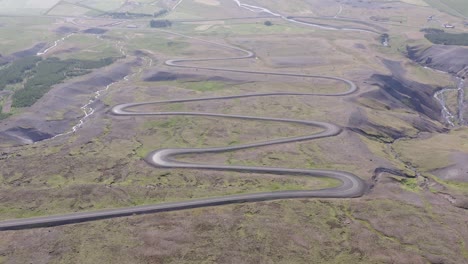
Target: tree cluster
(438,36)
(50,72)
(4,115)
(432,30)
(160,23)
(16,71)
(160,13)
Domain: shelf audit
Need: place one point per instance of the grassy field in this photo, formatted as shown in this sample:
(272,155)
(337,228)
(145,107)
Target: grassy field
(415,2)
(86,47)
(34,30)
(26,7)
(106,5)
(156,42)
(453,7)
(68,9)
(458,5)
(439,146)
(150,135)
(241,28)
(125,172)
(292,7)
(95,8)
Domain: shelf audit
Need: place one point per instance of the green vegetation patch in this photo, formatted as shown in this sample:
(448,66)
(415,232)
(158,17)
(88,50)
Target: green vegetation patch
(40,75)
(434,152)
(158,44)
(410,184)
(15,72)
(254,28)
(207,86)
(438,36)
(19,34)
(160,23)
(4,115)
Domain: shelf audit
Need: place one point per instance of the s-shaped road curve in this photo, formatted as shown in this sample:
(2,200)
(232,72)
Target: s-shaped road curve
(351,185)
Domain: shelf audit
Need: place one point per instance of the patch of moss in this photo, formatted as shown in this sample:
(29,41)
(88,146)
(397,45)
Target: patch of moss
(410,184)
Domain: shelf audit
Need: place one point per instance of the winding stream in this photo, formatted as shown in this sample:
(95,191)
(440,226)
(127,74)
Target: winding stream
(55,44)
(87,109)
(449,117)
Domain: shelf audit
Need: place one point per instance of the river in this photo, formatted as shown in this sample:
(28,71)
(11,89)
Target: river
(452,118)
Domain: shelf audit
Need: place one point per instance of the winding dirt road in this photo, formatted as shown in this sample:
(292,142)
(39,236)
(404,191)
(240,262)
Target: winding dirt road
(351,186)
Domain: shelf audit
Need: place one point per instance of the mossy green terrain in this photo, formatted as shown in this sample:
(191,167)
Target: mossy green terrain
(434,152)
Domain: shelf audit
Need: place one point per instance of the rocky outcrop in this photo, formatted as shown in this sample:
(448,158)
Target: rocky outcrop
(414,95)
(451,59)
(397,95)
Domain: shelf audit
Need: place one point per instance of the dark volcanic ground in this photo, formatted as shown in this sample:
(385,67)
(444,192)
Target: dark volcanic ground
(451,59)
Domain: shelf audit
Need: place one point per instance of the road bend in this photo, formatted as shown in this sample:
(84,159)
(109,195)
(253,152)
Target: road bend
(350,185)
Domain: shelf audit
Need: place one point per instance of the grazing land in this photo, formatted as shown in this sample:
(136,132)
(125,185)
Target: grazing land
(66,146)
(26,7)
(456,7)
